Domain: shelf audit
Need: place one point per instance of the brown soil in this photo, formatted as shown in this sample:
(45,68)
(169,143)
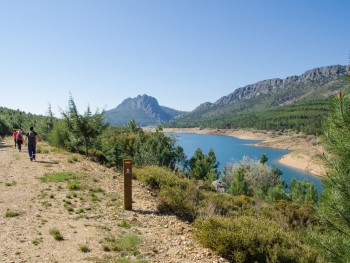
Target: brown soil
(43,206)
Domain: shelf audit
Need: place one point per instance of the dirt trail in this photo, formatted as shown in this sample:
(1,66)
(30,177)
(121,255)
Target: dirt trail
(91,218)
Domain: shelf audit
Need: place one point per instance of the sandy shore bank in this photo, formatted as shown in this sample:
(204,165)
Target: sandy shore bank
(305,149)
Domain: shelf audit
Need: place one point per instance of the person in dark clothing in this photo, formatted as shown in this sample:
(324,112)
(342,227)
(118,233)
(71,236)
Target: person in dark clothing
(31,140)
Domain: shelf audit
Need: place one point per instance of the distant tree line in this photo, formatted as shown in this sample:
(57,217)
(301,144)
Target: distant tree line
(16,119)
(304,116)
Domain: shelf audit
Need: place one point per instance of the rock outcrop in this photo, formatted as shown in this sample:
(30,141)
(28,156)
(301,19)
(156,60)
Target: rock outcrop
(266,86)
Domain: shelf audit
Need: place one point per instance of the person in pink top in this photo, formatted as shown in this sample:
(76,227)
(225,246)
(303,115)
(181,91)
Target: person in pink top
(15,137)
(19,138)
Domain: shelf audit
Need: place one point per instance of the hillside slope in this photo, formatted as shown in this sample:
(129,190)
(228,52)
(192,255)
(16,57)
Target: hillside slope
(89,215)
(289,103)
(316,83)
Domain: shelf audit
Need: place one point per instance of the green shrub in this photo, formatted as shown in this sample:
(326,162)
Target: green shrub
(127,244)
(12,183)
(84,248)
(157,177)
(124,224)
(11,213)
(276,193)
(248,239)
(74,185)
(59,135)
(296,215)
(73,159)
(250,177)
(223,204)
(56,234)
(41,149)
(99,157)
(182,203)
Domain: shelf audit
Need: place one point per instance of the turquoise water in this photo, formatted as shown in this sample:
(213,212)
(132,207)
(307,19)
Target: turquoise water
(230,149)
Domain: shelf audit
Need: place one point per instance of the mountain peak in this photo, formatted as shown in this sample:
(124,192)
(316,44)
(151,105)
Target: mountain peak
(144,109)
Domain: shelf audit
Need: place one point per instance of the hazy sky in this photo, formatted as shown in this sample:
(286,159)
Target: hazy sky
(182,52)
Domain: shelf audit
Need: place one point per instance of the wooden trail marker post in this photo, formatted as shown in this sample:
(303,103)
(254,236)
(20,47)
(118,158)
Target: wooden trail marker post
(127,167)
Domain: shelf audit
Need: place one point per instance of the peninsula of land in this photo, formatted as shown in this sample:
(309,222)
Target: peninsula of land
(305,149)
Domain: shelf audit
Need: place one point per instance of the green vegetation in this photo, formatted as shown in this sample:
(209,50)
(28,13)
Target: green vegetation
(233,224)
(60,177)
(204,167)
(304,116)
(84,248)
(82,130)
(254,178)
(124,224)
(11,213)
(16,119)
(56,234)
(74,185)
(252,239)
(126,245)
(334,208)
(37,241)
(12,183)
(73,159)
(109,145)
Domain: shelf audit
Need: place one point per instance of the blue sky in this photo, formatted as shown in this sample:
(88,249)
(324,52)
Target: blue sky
(182,52)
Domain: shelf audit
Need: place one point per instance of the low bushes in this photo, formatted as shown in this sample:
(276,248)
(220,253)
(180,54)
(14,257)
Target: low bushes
(239,228)
(182,203)
(188,199)
(157,177)
(250,239)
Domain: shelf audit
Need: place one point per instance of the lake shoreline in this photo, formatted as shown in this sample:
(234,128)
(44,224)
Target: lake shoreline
(304,149)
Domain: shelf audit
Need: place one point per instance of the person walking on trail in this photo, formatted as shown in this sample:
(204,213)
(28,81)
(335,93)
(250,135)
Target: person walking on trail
(19,138)
(31,140)
(15,137)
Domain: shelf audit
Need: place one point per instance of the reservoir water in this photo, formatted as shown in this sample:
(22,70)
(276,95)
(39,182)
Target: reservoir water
(230,149)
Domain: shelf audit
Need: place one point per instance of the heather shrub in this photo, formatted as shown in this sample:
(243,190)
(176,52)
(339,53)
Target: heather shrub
(252,239)
(183,203)
(296,215)
(157,177)
(223,204)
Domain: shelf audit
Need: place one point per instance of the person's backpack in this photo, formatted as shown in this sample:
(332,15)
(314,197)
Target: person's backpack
(19,137)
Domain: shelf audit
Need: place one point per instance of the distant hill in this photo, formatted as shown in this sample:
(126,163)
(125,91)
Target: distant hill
(144,109)
(296,102)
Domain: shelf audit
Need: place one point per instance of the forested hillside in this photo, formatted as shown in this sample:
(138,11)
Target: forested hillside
(15,119)
(297,102)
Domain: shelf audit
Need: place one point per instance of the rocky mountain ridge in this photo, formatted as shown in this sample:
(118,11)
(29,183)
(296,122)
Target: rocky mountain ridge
(269,85)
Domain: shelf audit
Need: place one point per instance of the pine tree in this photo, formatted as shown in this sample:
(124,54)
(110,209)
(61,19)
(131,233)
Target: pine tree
(83,129)
(334,208)
(204,167)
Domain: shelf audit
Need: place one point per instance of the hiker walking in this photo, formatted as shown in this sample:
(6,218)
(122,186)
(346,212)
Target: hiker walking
(15,137)
(31,140)
(19,138)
